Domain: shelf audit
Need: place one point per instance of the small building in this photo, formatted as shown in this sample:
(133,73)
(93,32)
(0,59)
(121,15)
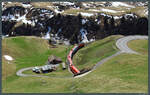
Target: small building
(53,60)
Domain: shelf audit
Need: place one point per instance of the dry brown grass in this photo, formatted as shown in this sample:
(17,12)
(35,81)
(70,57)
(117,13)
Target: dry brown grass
(138,10)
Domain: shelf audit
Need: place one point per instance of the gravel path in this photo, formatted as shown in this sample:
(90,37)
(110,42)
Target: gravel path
(120,43)
(19,73)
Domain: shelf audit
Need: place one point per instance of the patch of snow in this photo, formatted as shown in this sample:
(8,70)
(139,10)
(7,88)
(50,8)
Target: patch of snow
(111,11)
(84,4)
(3,3)
(103,14)
(26,5)
(98,21)
(52,35)
(10,17)
(71,14)
(86,14)
(68,3)
(5,36)
(83,34)
(47,36)
(7,57)
(44,11)
(91,40)
(5,18)
(117,17)
(60,30)
(9,2)
(129,15)
(41,25)
(51,16)
(117,4)
(49,6)
(42,14)
(108,10)
(146,12)
(84,21)
(57,11)
(94,10)
(76,7)
(24,20)
(141,3)
(66,42)
(64,3)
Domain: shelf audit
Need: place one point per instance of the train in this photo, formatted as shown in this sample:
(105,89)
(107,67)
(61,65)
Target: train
(72,68)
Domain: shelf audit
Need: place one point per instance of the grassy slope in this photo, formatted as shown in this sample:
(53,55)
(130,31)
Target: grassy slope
(136,45)
(99,49)
(107,78)
(128,72)
(93,53)
(26,51)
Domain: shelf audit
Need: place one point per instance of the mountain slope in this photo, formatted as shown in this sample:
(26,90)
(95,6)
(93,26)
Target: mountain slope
(116,75)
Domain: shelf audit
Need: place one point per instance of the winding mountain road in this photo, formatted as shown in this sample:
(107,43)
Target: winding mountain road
(120,43)
(123,47)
